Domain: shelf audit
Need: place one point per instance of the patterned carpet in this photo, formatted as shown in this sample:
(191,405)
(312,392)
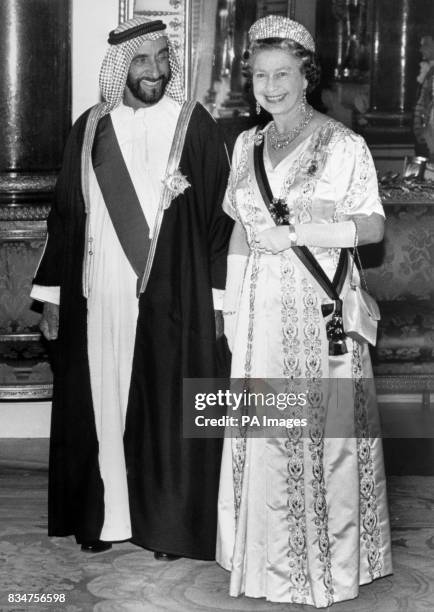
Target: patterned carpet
(128,579)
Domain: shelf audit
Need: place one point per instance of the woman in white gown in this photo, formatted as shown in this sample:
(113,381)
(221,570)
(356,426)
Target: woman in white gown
(303,516)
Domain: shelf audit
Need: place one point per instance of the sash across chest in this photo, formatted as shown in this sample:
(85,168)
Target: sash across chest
(120,197)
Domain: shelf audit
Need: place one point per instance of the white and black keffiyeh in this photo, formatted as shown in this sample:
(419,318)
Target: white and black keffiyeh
(116,64)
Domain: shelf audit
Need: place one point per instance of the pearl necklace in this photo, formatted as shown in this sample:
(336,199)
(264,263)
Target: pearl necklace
(280,141)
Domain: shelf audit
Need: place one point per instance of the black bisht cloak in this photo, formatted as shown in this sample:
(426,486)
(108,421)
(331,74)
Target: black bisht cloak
(173,481)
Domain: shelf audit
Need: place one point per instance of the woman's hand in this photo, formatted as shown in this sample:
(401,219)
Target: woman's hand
(274,240)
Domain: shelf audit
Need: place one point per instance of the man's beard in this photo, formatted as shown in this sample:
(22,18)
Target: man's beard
(152,96)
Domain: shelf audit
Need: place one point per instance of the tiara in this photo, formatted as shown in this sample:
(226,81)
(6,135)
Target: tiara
(276,26)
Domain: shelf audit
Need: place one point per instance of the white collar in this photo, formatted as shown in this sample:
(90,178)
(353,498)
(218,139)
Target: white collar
(165,104)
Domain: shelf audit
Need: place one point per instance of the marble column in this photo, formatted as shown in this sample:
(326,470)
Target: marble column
(34,84)
(35,109)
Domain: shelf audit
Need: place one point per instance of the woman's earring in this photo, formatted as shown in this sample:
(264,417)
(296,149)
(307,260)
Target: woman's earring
(303,103)
(258,108)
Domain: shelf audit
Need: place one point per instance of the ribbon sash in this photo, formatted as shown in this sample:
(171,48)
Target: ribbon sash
(334,327)
(331,288)
(120,196)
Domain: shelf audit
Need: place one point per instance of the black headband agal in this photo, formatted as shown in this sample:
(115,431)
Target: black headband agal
(116,38)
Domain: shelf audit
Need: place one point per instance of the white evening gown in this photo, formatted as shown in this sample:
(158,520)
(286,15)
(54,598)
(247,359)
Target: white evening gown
(303,518)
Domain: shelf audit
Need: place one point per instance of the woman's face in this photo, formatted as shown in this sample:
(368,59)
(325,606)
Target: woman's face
(278,83)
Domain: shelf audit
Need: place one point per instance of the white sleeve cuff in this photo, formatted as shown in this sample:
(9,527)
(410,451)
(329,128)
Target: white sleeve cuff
(46,294)
(217,298)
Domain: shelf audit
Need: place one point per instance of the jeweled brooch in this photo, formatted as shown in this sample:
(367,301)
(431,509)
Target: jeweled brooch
(176,183)
(258,138)
(313,167)
(279,211)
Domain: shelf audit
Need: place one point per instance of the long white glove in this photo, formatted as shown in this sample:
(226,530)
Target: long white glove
(340,234)
(236,266)
(277,239)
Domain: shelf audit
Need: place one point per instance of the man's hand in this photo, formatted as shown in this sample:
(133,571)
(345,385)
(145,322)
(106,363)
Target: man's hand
(219,326)
(274,240)
(49,324)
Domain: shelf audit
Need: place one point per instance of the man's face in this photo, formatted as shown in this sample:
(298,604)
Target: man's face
(427,48)
(149,73)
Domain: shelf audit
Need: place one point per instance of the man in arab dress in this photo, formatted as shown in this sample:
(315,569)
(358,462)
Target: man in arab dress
(135,256)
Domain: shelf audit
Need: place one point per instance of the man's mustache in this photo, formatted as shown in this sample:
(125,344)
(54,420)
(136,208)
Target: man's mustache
(160,78)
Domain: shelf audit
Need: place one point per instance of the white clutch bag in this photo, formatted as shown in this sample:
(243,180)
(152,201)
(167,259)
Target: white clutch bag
(360,312)
(360,315)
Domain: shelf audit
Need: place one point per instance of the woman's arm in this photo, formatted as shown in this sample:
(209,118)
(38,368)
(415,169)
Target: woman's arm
(327,235)
(357,203)
(370,229)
